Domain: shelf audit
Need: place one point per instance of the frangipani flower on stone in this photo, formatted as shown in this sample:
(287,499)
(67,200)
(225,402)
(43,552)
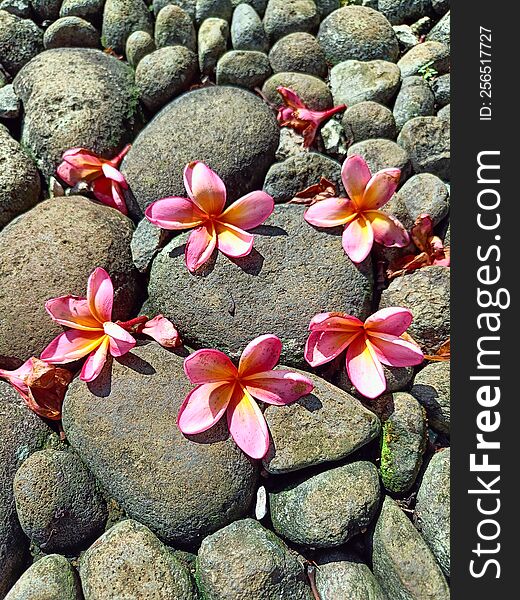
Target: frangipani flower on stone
(41,385)
(91,331)
(224,388)
(204,210)
(102,175)
(363,222)
(369,345)
(295,114)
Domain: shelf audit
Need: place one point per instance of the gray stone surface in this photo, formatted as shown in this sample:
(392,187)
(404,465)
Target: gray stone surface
(383,154)
(70,32)
(357,33)
(244,68)
(398,379)
(164,74)
(22,433)
(415,99)
(19,8)
(313,91)
(355,81)
(140,566)
(441,90)
(53,88)
(121,18)
(91,10)
(50,578)
(403,444)
(247,30)
(20,40)
(138,45)
(49,252)
(213,9)
(183,488)
(293,272)
(10,105)
(188,5)
(212,42)
(231,130)
(368,120)
(426,292)
(245,561)
(299,52)
(287,16)
(402,561)
(441,31)
(324,426)
(46,9)
(432,55)
(285,179)
(431,387)
(427,139)
(432,510)
(327,509)
(58,504)
(146,242)
(174,27)
(404,11)
(19,179)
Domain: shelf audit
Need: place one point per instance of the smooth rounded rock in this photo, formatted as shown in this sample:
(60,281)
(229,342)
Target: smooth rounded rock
(50,578)
(287,16)
(357,33)
(293,273)
(10,105)
(355,81)
(50,251)
(402,562)
(404,11)
(164,74)
(441,31)
(174,27)
(57,501)
(313,91)
(120,19)
(328,509)
(58,118)
(431,55)
(245,561)
(442,90)
(368,120)
(258,5)
(247,30)
(426,292)
(186,5)
(182,488)
(415,99)
(213,9)
(383,154)
(138,45)
(432,510)
(19,179)
(69,32)
(285,179)
(229,129)
(324,426)
(46,10)
(212,43)
(431,387)
(244,68)
(92,10)
(299,52)
(138,564)
(20,41)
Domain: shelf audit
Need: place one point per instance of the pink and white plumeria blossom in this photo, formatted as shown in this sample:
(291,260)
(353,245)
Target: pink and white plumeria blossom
(102,175)
(91,329)
(369,345)
(359,213)
(215,227)
(224,388)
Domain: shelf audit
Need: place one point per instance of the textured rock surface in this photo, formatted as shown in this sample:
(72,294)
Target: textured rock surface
(20,40)
(182,488)
(229,129)
(431,387)
(415,99)
(244,68)
(53,88)
(70,32)
(324,426)
(368,120)
(383,154)
(37,263)
(247,30)
(299,52)
(313,91)
(121,18)
(288,16)
(245,561)
(293,272)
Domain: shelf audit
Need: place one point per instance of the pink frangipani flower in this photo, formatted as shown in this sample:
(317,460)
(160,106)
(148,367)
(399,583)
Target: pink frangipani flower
(215,227)
(369,345)
(224,388)
(103,177)
(359,213)
(295,114)
(91,329)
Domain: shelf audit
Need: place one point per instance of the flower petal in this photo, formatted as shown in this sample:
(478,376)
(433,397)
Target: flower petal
(335,322)
(109,192)
(380,189)
(247,424)
(358,239)
(121,341)
(205,188)
(71,345)
(72,311)
(323,346)
(278,387)
(95,362)
(232,241)
(206,366)
(78,165)
(175,213)
(396,352)
(204,406)
(364,369)
(387,229)
(355,175)
(200,246)
(111,172)
(249,211)
(261,354)
(394,320)
(331,212)
(290,97)
(100,295)
(162,330)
